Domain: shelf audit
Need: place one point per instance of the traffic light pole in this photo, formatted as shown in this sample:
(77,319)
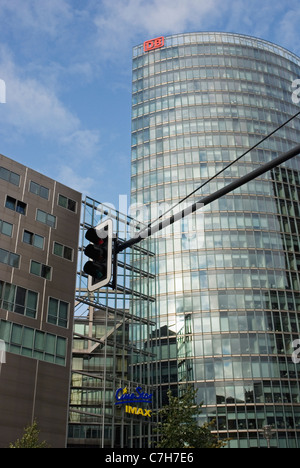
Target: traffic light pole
(209,198)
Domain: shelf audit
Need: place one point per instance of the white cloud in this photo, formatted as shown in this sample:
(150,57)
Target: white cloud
(60,45)
(124,23)
(84,144)
(69,176)
(120,22)
(33,108)
(288,28)
(36,15)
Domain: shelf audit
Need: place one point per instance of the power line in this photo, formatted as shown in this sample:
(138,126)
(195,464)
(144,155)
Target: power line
(224,169)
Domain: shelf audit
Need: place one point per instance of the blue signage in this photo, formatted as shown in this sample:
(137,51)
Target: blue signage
(124,397)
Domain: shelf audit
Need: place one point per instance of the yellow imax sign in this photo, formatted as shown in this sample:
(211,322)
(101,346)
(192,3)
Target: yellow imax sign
(138,411)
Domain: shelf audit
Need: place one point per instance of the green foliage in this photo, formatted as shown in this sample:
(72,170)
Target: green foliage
(30,438)
(179,427)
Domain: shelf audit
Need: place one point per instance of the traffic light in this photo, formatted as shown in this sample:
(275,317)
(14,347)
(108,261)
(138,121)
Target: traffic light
(99,251)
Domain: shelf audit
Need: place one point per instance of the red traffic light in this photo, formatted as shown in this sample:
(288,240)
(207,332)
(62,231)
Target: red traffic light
(97,253)
(99,268)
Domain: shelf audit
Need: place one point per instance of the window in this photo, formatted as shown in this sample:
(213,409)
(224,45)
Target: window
(63,251)
(67,203)
(61,350)
(46,218)
(6,228)
(33,343)
(58,312)
(41,270)
(31,304)
(15,205)
(9,176)
(33,239)
(19,300)
(39,190)
(9,258)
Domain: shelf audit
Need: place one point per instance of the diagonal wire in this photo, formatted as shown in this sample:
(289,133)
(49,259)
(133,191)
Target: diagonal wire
(225,168)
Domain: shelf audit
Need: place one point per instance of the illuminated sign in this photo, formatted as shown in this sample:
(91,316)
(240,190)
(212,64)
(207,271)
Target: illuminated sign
(154,44)
(138,411)
(124,397)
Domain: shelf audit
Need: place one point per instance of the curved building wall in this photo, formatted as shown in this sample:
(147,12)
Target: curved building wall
(228,300)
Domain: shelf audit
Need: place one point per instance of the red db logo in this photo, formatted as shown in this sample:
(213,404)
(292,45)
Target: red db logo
(154,44)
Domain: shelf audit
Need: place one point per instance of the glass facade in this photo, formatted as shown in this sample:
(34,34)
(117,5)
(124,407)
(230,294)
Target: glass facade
(228,300)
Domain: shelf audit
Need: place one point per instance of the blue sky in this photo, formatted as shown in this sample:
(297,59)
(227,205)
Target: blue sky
(67,69)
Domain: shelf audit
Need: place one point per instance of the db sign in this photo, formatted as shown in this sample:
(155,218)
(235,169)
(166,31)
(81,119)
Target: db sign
(154,44)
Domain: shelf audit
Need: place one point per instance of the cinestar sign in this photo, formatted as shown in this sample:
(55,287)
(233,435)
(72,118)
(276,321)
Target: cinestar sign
(123,396)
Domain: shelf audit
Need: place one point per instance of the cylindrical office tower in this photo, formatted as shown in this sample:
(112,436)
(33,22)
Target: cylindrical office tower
(228,301)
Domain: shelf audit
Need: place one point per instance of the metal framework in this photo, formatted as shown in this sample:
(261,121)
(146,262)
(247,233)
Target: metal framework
(110,349)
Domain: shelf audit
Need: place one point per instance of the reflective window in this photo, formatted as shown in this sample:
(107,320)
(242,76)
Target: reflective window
(9,176)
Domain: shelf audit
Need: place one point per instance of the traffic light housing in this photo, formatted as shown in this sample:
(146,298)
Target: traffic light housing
(99,251)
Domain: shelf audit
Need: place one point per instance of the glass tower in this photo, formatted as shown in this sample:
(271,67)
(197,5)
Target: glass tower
(228,301)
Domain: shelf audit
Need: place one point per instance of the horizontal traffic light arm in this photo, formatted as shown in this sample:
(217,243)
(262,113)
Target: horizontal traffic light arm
(210,198)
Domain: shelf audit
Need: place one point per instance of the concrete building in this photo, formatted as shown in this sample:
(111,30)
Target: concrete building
(39,228)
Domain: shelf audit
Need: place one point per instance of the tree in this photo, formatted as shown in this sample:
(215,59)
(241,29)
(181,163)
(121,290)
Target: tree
(179,427)
(30,438)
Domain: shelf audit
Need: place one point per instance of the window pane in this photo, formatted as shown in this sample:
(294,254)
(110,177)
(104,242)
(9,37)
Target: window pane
(50,344)
(27,237)
(20,301)
(44,193)
(4,173)
(7,229)
(61,347)
(51,221)
(41,216)
(28,337)
(5,328)
(68,254)
(16,336)
(53,311)
(38,241)
(15,179)
(71,205)
(14,260)
(9,296)
(4,256)
(39,341)
(63,314)
(35,268)
(63,201)
(32,298)
(10,203)
(63,310)
(21,208)
(46,272)
(34,188)
(58,249)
